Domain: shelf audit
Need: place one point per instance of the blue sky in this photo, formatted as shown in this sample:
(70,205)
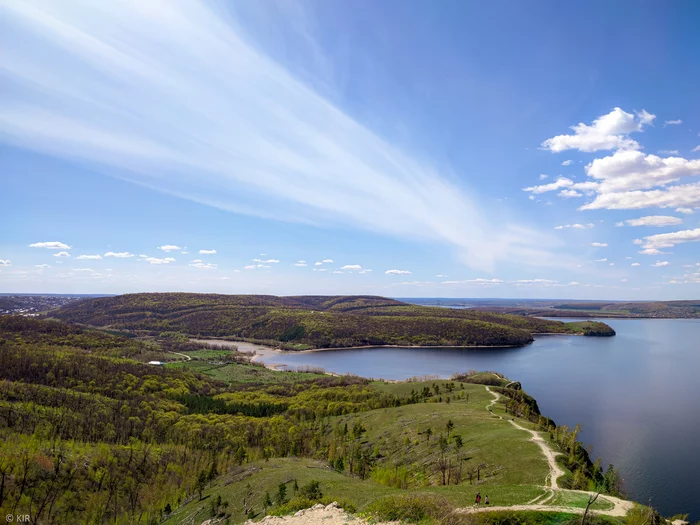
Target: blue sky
(456,149)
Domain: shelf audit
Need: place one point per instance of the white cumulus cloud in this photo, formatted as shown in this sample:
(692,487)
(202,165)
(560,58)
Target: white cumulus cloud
(202,265)
(207,252)
(397,272)
(5,262)
(300,263)
(567,163)
(576,226)
(568,194)
(351,267)
(61,254)
(89,257)
(669,240)
(607,132)
(654,220)
(169,248)
(156,260)
(599,244)
(50,245)
(658,264)
(119,255)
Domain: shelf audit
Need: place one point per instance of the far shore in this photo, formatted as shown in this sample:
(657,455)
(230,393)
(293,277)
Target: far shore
(248,348)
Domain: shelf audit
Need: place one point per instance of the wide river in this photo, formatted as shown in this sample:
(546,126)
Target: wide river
(636,395)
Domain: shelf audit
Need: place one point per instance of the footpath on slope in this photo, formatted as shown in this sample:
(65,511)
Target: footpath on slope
(620,507)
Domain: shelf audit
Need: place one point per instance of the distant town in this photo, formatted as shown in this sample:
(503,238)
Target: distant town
(33,305)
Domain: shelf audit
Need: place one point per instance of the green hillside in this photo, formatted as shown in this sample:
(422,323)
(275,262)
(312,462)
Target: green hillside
(88,437)
(313,321)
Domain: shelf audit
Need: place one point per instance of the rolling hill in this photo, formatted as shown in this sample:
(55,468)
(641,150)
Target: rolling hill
(303,322)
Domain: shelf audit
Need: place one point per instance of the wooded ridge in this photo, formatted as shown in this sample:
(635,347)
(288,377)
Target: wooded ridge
(303,322)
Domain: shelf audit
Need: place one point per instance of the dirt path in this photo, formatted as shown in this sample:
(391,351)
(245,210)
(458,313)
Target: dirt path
(182,355)
(555,471)
(620,507)
(617,512)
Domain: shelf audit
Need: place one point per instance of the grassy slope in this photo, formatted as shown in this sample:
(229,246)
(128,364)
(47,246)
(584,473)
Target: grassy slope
(520,473)
(314,321)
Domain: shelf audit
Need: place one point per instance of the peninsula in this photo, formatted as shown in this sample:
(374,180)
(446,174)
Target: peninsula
(314,322)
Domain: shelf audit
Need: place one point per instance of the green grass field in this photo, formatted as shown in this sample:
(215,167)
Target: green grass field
(231,373)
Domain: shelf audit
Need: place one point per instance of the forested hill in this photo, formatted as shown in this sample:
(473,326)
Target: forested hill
(302,322)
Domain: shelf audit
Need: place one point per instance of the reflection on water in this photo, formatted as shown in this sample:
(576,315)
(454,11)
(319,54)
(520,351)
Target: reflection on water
(636,394)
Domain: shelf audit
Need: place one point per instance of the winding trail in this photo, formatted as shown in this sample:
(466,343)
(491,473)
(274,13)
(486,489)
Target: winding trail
(620,507)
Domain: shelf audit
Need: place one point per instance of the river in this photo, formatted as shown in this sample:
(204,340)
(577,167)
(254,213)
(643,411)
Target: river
(636,395)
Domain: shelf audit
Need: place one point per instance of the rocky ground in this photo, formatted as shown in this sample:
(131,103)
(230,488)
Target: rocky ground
(317,515)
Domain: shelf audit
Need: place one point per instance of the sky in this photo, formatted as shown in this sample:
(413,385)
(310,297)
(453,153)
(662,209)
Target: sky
(406,149)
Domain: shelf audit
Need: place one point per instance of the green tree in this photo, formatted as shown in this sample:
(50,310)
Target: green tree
(281,494)
(202,479)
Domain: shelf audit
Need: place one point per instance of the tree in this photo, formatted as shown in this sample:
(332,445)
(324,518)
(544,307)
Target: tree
(458,445)
(591,500)
(213,470)
(240,455)
(281,494)
(267,502)
(449,426)
(429,432)
(202,482)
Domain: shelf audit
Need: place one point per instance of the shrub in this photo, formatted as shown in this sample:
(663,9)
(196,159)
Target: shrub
(411,508)
(312,490)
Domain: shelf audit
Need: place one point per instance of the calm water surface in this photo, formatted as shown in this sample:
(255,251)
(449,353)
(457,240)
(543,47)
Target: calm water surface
(637,395)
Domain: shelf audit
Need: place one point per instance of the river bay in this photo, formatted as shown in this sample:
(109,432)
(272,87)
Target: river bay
(636,395)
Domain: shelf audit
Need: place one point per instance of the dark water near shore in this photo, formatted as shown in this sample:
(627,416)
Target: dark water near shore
(637,395)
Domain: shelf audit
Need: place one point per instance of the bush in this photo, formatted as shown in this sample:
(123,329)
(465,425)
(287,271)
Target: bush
(312,490)
(411,508)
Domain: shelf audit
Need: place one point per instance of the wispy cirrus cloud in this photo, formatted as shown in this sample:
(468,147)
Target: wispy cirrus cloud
(173,98)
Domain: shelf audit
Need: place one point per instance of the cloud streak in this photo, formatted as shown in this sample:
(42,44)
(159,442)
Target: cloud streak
(171,98)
